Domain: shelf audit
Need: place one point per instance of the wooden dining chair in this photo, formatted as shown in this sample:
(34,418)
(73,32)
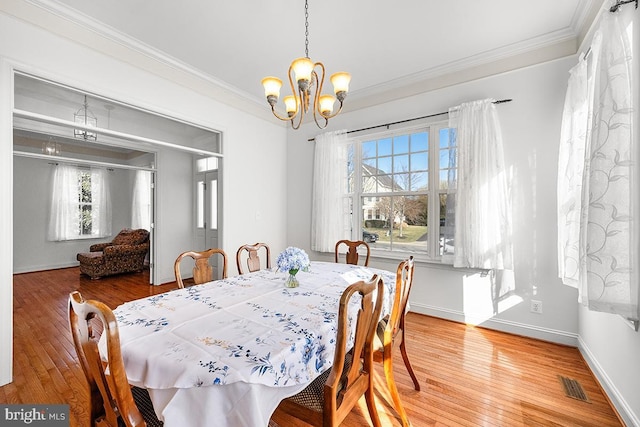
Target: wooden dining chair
(390,332)
(252,257)
(202,270)
(351,257)
(113,401)
(331,396)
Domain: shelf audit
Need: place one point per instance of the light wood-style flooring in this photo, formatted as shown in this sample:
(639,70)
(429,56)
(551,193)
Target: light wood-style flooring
(470,376)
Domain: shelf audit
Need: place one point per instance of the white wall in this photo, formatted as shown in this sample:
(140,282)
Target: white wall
(531,132)
(254,150)
(530,125)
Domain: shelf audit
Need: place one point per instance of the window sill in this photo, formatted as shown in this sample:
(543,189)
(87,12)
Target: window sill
(399,256)
(420,259)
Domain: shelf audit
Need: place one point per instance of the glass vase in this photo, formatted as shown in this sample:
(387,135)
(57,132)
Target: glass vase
(292,280)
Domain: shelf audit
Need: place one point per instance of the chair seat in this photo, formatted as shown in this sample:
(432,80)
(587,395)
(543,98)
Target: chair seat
(144,404)
(312,396)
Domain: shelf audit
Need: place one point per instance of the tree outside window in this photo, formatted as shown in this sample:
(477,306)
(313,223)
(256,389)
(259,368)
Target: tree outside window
(84,202)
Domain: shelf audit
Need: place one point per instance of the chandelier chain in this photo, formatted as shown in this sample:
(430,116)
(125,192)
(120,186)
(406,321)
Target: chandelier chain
(306,28)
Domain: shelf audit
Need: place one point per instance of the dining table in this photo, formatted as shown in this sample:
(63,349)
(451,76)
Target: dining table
(226,352)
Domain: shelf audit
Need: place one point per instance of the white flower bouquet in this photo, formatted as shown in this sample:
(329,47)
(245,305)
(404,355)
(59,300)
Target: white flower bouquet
(293,260)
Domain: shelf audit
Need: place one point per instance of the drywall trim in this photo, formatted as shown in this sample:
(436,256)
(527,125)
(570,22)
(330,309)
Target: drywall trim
(6,223)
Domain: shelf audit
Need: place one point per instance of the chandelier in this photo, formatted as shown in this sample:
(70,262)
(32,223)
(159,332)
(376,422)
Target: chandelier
(84,116)
(51,147)
(309,81)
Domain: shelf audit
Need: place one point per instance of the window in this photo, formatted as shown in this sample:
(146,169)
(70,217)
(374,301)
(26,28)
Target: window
(403,178)
(80,204)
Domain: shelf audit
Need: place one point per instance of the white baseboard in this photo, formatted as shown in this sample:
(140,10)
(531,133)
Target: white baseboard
(624,410)
(545,334)
(34,268)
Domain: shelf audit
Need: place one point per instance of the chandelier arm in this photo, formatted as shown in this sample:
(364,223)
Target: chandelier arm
(316,97)
(319,85)
(299,109)
(275,113)
(293,92)
(315,119)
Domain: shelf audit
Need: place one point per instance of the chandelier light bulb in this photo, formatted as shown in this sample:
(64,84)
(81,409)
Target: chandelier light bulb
(272,87)
(291,104)
(340,82)
(302,68)
(326,104)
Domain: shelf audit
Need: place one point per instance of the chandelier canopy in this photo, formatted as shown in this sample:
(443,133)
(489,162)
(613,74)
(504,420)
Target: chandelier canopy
(309,81)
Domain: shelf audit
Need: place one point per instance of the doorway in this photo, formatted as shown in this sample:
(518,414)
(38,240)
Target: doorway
(55,123)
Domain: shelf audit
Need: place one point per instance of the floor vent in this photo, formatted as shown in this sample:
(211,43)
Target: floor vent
(573,389)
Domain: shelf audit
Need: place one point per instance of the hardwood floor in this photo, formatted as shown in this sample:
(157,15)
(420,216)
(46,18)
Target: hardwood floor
(469,376)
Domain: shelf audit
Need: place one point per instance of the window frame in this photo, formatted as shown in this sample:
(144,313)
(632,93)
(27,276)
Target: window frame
(355,193)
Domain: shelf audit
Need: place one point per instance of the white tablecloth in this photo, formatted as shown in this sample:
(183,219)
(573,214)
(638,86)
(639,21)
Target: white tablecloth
(227,352)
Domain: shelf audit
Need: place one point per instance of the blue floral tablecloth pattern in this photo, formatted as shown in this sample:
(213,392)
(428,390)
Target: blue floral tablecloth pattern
(246,328)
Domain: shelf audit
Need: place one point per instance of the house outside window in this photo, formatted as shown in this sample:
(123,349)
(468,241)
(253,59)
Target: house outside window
(403,177)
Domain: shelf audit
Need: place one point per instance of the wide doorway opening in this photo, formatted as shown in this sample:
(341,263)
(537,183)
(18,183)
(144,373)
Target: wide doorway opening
(57,126)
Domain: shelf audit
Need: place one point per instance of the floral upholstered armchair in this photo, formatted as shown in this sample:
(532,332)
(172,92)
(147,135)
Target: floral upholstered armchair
(125,254)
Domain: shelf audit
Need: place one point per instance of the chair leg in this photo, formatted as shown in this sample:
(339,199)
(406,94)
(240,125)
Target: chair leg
(371,403)
(391,383)
(405,357)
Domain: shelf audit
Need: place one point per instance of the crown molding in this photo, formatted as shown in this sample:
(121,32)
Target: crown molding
(551,46)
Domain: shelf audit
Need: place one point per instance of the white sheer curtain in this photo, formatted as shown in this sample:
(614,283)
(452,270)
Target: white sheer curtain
(482,198)
(141,204)
(101,210)
(64,215)
(607,257)
(573,136)
(64,219)
(329,189)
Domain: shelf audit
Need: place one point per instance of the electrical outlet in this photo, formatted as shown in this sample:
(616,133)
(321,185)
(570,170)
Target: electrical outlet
(536,306)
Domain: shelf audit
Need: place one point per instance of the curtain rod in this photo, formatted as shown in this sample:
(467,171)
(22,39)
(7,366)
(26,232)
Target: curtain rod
(500,101)
(619,3)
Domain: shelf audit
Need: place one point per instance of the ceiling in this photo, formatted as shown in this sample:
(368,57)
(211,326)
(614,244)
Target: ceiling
(390,48)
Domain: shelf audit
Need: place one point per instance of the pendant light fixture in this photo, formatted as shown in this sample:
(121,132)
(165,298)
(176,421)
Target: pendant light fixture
(308,85)
(51,147)
(85,117)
